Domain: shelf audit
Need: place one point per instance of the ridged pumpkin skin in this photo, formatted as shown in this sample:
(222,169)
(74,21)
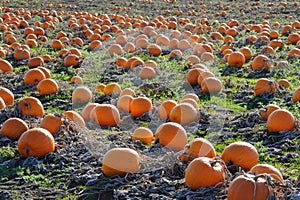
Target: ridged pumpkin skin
(13,128)
(36,142)
(143,134)
(171,135)
(268,169)
(281,120)
(198,147)
(240,153)
(204,172)
(30,106)
(242,187)
(105,115)
(120,161)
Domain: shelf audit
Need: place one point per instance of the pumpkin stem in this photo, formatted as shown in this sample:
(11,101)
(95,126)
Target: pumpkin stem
(27,151)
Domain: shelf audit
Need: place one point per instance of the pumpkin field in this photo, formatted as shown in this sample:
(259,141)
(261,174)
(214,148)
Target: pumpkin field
(150,99)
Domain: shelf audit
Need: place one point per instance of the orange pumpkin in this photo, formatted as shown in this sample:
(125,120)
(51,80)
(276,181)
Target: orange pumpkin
(105,115)
(211,85)
(115,49)
(236,59)
(165,109)
(7,96)
(267,169)
(261,63)
(198,147)
(147,73)
(191,96)
(72,115)
(13,128)
(47,86)
(112,88)
(36,142)
(86,111)
(21,54)
(5,67)
(248,187)
(246,160)
(30,106)
(124,103)
(71,60)
(265,112)
(81,95)
(154,50)
(34,76)
(120,161)
(281,120)
(52,123)
(171,135)
(127,91)
(143,134)
(204,172)
(264,86)
(296,95)
(183,114)
(140,106)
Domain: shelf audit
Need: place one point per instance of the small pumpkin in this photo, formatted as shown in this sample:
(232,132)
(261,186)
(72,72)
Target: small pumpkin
(143,134)
(34,76)
(72,115)
(165,109)
(124,103)
(71,60)
(192,75)
(115,49)
(81,95)
(191,96)
(248,187)
(236,59)
(267,169)
(36,142)
(140,106)
(13,128)
(183,114)
(21,54)
(127,91)
(154,50)
(52,123)
(47,86)
(86,111)
(30,106)
(5,67)
(120,161)
(204,172)
(198,147)
(112,88)
(240,153)
(264,86)
(105,115)
(284,83)
(211,85)
(296,95)
(147,73)
(171,135)
(281,120)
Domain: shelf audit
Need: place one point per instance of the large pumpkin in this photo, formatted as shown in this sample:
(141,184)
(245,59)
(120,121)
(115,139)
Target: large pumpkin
(171,135)
(105,115)
(120,161)
(36,142)
(264,86)
(140,106)
(281,120)
(13,128)
(30,106)
(204,172)
(247,187)
(240,153)
(183,114)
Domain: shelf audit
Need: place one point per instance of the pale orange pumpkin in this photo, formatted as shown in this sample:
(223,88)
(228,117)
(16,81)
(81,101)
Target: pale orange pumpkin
(143,134)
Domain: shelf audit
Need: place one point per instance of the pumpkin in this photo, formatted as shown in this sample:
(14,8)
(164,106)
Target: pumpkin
(296,95)
(190,101)
(76,80)
(265,112)
(192,75)
(21,54)
(141,43)
(267,169)
(183,45)
(34,76)
(143,134)
(76,52)
(183,114)
(47,86)
(13,128)
(86,111)
(7,96)
(120,161)
(261,63)
(140,106)
(191,96)
(248,187)
(204,172)
(36,142)
(71,60)
(124,103)
(105,115)
(2,104)
(236,59)
(154,50)
(198,147)
(121,62)
(129,47)
(293,38)
(165,109)
(95,45)
(281,120)
(240,153)
(171,135)
(72,115)
(45,71)
(211,85)
(150,63)
(127,91)
(57,45)
(115,49)
(147,73)
(203,75)
(284,83)
(81,95)
(5,67)
(264,86)
(112,89)
(52,123)
(30,106)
